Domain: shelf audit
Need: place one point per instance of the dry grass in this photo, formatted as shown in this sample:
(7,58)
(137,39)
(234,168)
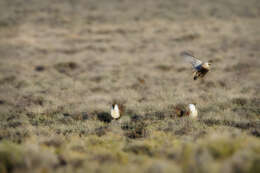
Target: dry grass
(63,64)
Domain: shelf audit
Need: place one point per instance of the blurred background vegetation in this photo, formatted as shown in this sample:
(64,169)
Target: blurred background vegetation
(63,62)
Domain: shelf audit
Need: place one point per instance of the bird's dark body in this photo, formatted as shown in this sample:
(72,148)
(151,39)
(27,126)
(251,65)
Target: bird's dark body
(200,73)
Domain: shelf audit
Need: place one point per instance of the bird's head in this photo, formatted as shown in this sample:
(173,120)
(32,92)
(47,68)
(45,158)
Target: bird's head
(192,107)
(210,62)
(114,105)
(207,65)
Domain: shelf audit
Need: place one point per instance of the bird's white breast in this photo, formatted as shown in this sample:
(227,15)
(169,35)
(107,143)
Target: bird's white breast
(206,65)
(193,110)
(115,113)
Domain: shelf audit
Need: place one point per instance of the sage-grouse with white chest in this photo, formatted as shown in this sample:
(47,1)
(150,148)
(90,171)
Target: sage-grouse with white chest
(200,68)
(115,111)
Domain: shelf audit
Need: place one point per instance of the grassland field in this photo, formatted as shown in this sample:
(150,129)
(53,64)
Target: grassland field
(63,63)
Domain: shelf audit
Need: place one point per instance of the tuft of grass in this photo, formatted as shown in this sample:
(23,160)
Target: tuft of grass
(223,148)
(11,156)
(134,130)
(139,150)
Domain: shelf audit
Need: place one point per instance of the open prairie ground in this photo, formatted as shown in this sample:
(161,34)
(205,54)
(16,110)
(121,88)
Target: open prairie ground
(62,64)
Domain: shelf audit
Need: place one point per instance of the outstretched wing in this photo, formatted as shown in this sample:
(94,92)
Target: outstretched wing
(191,59)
